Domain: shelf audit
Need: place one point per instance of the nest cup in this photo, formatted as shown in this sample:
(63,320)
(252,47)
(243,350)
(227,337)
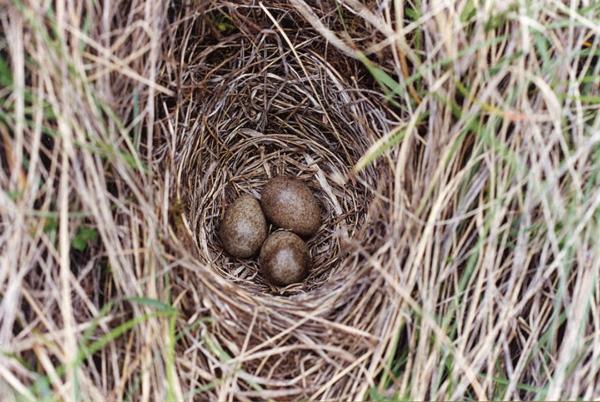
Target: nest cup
(265,111)
(249,107)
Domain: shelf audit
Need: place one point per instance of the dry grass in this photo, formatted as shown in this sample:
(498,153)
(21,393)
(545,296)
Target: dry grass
(454,149)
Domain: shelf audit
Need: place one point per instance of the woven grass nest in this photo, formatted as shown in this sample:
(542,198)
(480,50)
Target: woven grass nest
(251,108)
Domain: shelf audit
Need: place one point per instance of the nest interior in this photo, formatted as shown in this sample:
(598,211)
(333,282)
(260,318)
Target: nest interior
(257,99)
(251,107)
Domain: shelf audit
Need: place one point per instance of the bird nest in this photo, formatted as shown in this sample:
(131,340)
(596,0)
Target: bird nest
(261,94)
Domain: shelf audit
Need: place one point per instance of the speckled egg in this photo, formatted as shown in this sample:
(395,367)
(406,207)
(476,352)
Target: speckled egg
(244,227)
(284,259)
(288,203)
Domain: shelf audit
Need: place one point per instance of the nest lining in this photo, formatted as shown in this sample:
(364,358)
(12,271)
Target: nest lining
(263,116)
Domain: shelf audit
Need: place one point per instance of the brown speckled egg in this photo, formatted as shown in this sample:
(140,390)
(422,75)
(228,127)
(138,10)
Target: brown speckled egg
(288,203)
(244,227)
(284,259)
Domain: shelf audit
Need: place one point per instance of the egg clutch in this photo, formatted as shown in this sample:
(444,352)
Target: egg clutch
(288,204)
